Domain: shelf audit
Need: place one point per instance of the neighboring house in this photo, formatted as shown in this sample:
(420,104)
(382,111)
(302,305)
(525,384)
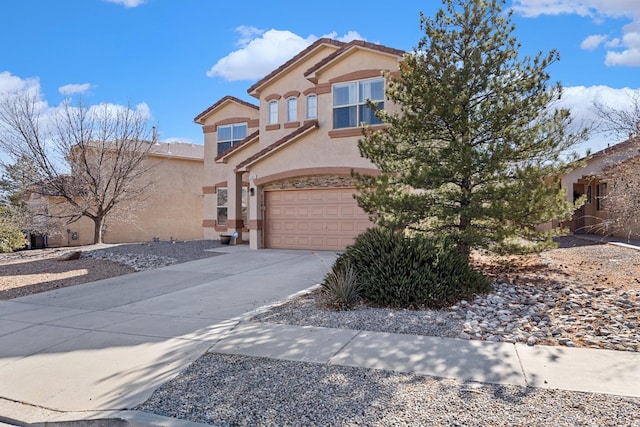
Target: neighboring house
(172,209)
(602,211)
(279,174)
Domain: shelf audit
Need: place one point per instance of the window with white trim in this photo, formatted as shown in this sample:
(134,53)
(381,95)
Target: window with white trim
(312,107)
(273,112)
(292,109)
(222,205)
(230,135)
(350,107)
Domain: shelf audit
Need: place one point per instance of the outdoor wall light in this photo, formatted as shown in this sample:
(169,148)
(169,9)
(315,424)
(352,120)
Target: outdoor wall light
(252,191)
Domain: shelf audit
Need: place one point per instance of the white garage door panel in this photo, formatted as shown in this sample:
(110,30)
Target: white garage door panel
(326,219)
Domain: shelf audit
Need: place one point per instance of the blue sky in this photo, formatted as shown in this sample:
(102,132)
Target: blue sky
(174,58)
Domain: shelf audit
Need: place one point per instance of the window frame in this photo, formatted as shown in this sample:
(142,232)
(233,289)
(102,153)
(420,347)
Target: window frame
(233,140)
(272,110)
(225,206)
(292,109)
(312,106)
(245,205)
(358,105)
(601,193)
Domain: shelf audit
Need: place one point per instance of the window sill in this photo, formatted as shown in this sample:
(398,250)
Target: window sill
(291,125)
(272,127)
(347,132)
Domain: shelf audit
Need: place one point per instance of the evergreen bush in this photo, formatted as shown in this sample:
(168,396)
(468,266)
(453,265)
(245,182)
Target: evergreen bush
(396,270)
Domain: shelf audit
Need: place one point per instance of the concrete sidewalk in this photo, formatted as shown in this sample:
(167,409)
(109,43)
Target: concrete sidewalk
(99,349)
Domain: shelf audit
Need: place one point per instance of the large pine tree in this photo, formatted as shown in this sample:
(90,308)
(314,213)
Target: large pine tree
(476,142)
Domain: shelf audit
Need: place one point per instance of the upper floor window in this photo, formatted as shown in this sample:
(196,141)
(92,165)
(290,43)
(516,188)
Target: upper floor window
(312,107)
(230,135)
(350,107)
(292,109)
(273,112)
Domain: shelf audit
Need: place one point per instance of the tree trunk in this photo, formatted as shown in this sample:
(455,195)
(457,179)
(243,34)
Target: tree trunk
(97,229)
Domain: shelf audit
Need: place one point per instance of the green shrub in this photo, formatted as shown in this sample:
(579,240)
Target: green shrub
(11,237)
(341,286)
(399,271)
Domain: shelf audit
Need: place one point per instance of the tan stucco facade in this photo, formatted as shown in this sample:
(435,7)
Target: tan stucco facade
(172,208)
(303,149)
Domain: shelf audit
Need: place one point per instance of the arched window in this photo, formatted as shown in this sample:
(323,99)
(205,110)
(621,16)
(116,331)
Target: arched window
(273,112)
(292,109)
(312,107)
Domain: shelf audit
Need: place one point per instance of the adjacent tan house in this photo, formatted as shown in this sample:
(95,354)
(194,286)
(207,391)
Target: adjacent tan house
(172,209)
(603,212)
(279,173)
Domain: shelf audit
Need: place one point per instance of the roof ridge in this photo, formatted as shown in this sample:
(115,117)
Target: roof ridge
(347,46)
(301,54)
(221,101)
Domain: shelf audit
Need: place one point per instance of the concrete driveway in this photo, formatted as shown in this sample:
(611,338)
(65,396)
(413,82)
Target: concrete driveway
(108,345)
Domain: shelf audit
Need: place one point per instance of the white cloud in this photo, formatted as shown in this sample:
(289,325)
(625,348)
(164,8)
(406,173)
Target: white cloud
(11,84)
(591,8)
(593,41)
(346,38)
(263,51)
(72,89)
(128,3)
(628,53)
(113,110)
(581,101)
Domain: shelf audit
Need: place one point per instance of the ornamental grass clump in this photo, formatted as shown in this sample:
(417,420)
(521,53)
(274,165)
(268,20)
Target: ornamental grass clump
(341,286)
(395,270)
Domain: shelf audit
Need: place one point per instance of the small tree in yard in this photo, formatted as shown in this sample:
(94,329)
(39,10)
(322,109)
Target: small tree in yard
(476,142)
(92,159)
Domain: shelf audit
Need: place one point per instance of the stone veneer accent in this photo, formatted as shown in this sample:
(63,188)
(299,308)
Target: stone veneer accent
(315,181)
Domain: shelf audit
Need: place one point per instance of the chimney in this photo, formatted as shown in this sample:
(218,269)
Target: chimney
(154,135)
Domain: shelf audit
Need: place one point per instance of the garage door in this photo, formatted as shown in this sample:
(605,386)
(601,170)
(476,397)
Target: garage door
(327,219)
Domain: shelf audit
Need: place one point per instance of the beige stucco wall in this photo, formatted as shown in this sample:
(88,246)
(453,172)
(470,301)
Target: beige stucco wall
(218,172)
(173,209)
(291,81)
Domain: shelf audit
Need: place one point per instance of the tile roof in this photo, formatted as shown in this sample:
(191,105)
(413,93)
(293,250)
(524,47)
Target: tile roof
(303,53)
(282,141)
(621,146)
(199,117)
(349,46)
(239,145)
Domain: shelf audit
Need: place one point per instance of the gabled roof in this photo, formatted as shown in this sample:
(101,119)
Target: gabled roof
(200,117)
(311,48)
(307,127)
(355,44)
(249,139)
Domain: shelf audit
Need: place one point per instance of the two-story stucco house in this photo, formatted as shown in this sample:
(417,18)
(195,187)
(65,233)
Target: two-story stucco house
(279,173)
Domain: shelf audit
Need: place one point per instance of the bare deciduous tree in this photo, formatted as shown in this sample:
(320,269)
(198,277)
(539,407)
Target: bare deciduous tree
(92,159)
(620,178)
(621,123)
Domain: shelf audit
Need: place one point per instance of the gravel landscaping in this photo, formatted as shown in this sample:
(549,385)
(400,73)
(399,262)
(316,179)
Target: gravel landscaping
(555,298)
(581,295)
